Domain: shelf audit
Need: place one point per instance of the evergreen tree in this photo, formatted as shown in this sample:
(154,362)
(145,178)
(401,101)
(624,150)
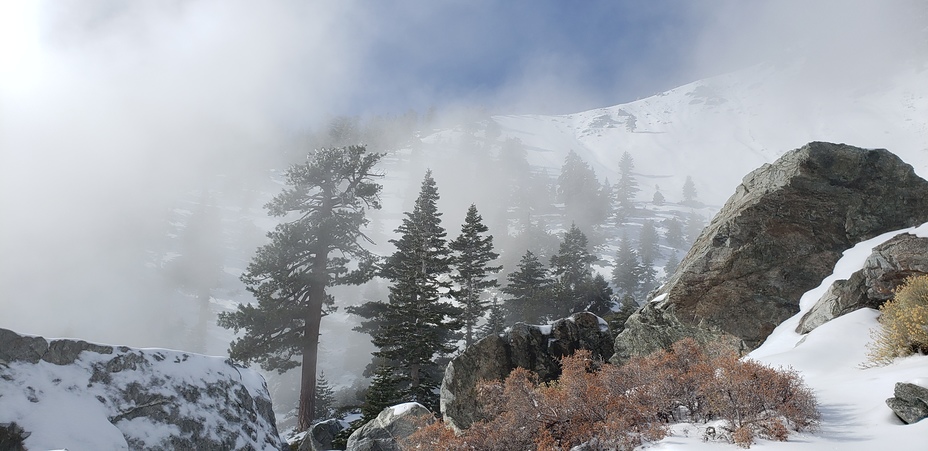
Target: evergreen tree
(598,296)
(658,198)
(382,393)
(689,192)
(496,321)
(647,278)
(627,270)
(529,289)
(627,187)
(674,235)
(327,196)
(581,193)
(671,265)
(627,306)
(325,398)
(416,326)
(649,242)
(473,253)
(572,270)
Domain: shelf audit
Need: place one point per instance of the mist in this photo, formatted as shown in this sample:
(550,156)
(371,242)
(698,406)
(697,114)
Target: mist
(120,122)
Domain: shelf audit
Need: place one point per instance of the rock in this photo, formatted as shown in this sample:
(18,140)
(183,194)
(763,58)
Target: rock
(392,425)
(890,264)
(536,348)
(320,436)
(910,402)
(777,237)
(130,398)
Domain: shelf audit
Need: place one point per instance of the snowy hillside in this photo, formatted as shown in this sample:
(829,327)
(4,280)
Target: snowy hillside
(719,129)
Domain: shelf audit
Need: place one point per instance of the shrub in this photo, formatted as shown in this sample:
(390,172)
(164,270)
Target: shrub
(903,324)
(621,407)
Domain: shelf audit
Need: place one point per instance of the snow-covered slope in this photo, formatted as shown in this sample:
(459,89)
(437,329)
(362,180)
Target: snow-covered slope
(719,129)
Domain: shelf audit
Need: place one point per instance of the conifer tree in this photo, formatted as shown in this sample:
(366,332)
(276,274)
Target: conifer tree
(572,270)
(649,242)
(325,398)
(658,198)
(496,320)
(627,187)
(327,197)
(473,253)
(417,325)
(689,192)
(598,296)
(671,265)
(674,235)
(693,227)
(627,269)
(382,393)
(647,278)
(529,289)
(584,199)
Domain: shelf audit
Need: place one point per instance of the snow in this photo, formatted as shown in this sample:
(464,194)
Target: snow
(851,397)
(545,329)
(401,409)
(63,408)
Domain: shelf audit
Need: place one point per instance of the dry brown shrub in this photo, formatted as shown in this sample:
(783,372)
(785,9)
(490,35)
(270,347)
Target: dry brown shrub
(903,324)
(743,437)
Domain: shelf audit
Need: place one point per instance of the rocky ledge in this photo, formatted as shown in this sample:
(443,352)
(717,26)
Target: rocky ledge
(77,395)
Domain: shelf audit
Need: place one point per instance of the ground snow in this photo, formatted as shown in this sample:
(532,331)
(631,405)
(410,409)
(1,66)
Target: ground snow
(851,398)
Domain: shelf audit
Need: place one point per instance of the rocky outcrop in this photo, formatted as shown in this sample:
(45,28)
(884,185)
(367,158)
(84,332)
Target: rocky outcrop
(79,395)
(890,264)
(909,403)
(392,425)
(536,348)
(777,237)
(320,435)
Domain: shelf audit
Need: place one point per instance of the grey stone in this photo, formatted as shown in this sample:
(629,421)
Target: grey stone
(890,264)
(392,425)
(20,348)
(910,402)
(779,235)
(531,347)
(320,436)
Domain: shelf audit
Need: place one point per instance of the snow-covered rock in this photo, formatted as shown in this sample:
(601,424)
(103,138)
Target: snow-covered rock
(82,396)
(390,427)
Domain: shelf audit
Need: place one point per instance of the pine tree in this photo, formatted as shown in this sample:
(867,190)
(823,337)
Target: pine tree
(671,265)
(693,227)
(530,289)
(647,278)
(327,196)
(473,253)
(496,320)
(582,194)
(627,269)
(416,326)
(572,272)
(649,242)
(689,192)
(627,187)
(658,198)
(325,398)
(674,235)
(382,393)
(598,296)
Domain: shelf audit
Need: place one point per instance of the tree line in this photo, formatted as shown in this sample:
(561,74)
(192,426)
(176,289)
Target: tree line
(442,292)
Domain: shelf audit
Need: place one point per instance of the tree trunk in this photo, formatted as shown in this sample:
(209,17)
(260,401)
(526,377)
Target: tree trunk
(313,318)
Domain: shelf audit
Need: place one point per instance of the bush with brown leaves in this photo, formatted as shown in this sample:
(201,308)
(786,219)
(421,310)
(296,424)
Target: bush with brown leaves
(621,407)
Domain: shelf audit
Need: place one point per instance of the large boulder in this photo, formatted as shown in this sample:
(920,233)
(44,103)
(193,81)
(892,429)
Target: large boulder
(130,398)
(890,264)
(535,348)
(320,435)
(392,425)
(909,402)
(777,237)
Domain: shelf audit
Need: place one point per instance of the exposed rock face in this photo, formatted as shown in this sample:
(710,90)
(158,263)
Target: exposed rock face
(391,426)
(320,436)
(70,393)
(536,348)
(890,264)
(778,236)
(910,402)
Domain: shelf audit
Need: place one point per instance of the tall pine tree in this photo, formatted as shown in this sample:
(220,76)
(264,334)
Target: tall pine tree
(529,289)
(627,187)
(572,269)
(626,273)
(325,398)
(473,253)
(417,325)
(326,196)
